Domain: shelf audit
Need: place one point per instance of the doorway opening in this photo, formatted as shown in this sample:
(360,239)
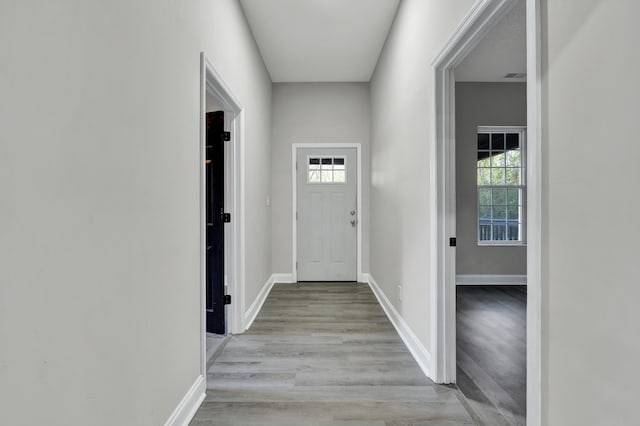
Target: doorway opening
(525,224)
(491,250)
(222,219)
(326,212)
(215,194)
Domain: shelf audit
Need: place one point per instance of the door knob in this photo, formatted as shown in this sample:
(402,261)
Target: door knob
(354,222)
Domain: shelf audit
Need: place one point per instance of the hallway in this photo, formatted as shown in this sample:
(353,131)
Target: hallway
(323,354)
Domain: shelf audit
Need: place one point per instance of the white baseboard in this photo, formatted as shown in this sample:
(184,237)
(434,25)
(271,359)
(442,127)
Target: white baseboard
(283,278)
(187,408)
(417,349)
(255,307)
(491,280)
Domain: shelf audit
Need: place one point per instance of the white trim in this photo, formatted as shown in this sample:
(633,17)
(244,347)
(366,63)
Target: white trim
(502,243)
(283,278)
(483,15)
(522,132)
(480,19)
(294,202)
(501,129)
(411,341)
(239,225)
(189,405)
(211,82)
(468,279)
(255,307)
(534,214)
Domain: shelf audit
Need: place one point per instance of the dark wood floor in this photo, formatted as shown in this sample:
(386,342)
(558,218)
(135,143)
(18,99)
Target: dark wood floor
(324,354)
(491,351)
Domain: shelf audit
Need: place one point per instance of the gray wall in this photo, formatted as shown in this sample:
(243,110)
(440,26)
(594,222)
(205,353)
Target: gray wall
(590,215)
(401,99)
(483,104)
(99,272)
(590,175)
(318,113)
(100,178)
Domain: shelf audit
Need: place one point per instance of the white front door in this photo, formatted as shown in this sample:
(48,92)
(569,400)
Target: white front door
(326,212)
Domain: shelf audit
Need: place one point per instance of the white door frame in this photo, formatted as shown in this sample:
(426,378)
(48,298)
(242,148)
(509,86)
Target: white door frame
(211,82)
(294,203)
(481,18)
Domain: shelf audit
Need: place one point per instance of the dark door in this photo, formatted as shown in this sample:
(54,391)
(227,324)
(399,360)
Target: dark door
(214,184)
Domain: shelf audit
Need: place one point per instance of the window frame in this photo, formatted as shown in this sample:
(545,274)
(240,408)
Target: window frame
(332,157)
(522,132)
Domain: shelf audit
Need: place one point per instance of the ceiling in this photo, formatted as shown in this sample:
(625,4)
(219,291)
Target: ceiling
(320,40)
(328,40)
(502,51)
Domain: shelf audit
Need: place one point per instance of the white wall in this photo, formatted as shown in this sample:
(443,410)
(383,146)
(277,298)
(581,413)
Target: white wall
(591,200)
(99,176)
(483,104)
(314,113)
(401,99)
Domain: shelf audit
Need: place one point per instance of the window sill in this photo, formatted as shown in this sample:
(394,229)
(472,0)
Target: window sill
(501,244)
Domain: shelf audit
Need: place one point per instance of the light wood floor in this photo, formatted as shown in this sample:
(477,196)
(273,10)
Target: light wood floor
(323,354)
(215,344)
(492,352)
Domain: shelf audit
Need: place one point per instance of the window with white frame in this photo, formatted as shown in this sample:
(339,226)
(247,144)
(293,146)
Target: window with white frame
(501,185)
(326,170)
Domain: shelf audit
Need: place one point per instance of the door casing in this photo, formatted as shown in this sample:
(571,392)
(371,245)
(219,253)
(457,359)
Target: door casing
(211,82)
(294,202)
(483,15)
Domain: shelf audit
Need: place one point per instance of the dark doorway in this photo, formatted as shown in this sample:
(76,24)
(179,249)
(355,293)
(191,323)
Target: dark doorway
(214,185)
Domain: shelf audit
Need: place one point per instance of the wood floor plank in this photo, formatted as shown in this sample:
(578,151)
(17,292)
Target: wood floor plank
(323,354)
(491,351)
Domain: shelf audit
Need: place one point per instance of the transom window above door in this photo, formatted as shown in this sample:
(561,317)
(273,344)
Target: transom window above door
(326,170)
